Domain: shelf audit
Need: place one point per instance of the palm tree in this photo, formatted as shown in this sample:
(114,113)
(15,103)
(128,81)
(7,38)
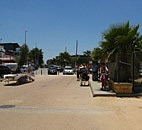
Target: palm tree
(87,53)
(118,44)
(97,54)
(64,58)
(120,38)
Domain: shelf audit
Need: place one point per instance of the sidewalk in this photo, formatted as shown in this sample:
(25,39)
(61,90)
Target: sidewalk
(96,91)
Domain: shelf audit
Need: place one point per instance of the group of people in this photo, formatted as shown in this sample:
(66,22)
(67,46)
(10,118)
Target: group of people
(101,73)
(82,71)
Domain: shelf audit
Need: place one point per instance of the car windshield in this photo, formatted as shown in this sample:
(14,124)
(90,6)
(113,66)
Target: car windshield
(52,67)
(68,68)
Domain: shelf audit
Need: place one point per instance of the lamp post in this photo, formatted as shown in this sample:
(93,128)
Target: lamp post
(25,36)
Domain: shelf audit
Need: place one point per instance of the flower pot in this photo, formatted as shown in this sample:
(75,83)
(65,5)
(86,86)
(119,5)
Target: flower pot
(122,88)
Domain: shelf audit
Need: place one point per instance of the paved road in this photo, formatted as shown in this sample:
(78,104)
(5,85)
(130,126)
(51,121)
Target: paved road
(59,103)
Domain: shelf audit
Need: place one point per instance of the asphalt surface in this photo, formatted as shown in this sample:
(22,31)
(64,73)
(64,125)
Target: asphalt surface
(57,102)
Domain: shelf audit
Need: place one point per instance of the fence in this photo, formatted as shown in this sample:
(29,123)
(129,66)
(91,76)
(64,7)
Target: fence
(41,71)
(137,71)
(127,68)
(121,68)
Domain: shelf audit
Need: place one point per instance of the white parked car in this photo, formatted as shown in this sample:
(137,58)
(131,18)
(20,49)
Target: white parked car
(26,68)
(12,66)
(68,70)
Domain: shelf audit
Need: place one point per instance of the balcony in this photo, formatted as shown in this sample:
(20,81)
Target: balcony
(6,58)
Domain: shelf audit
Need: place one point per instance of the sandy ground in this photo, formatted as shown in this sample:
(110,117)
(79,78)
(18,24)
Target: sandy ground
(59,103)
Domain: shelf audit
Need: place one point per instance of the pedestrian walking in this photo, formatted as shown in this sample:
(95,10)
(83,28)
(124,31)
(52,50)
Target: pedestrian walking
(77,73)
(103,72)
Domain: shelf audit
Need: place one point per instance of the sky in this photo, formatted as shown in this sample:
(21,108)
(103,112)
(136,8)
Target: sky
(53,25)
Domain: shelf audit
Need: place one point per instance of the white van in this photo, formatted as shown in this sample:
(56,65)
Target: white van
(12,66)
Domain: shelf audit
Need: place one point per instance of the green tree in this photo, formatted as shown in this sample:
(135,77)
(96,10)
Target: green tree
(41,57)
(87,53)
(119,41)
(87,56)
(23,56)
(36,56)
(97,54)
(64,58)
(83,60)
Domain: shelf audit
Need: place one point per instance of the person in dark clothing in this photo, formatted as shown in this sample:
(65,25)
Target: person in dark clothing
(84,76)
(95,73)
(77,71)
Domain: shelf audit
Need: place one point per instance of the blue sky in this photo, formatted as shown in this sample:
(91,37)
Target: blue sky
(53,25)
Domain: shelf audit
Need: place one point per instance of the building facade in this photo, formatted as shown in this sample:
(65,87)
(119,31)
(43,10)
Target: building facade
(8,52)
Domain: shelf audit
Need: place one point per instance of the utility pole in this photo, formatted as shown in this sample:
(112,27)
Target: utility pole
(65,49)
(76,47)
(35,45)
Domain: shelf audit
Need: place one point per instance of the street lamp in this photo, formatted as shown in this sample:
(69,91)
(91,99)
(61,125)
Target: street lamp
(25,36)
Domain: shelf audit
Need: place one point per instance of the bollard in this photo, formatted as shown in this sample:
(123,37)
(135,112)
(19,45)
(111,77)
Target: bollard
(41,72)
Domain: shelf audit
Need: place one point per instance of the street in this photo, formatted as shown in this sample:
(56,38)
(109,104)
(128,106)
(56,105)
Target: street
(57,102)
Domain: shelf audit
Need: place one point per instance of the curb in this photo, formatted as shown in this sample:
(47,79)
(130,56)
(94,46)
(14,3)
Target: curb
(112,94)
(101,95)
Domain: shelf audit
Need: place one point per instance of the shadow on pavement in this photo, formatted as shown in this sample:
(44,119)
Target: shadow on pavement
(7,106)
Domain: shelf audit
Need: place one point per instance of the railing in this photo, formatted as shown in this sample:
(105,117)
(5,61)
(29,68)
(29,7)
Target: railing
(41,71)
